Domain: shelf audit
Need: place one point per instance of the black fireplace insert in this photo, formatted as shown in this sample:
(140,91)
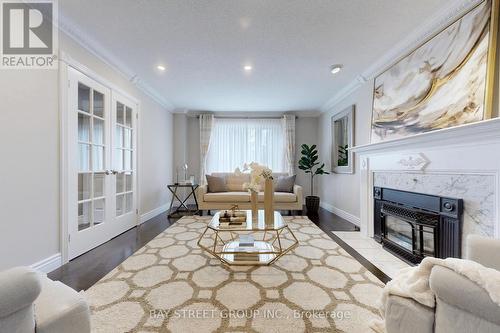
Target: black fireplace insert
(414,225)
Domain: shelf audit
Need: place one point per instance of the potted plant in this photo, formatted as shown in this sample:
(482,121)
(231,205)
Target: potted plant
(309,163)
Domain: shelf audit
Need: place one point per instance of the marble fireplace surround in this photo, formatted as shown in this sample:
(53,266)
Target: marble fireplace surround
(461,162)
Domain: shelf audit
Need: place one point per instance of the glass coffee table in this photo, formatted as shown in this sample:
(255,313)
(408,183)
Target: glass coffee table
(252,243)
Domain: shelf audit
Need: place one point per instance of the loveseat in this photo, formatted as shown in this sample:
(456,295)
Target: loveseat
(235,194)
(461,304)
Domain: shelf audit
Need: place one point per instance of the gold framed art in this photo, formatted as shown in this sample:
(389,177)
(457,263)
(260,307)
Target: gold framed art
(446,81)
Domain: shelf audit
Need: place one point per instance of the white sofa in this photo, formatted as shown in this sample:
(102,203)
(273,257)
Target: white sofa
(31,302)
(236,195)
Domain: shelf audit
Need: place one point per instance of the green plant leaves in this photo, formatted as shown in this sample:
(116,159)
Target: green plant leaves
(320,171)
(309,160)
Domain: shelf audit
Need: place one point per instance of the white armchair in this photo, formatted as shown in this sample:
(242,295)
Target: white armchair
(31,302)
(461,304)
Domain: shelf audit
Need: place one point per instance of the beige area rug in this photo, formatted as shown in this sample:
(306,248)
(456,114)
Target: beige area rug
(170,285)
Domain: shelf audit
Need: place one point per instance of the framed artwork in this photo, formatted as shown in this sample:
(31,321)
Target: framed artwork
(448,81)
(342,140)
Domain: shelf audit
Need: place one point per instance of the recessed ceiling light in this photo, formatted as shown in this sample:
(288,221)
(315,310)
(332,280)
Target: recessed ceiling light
(247,68)
(161,68)
(334,69)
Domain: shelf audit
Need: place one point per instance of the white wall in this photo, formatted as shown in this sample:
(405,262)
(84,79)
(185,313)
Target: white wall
(29,168)
(29,172)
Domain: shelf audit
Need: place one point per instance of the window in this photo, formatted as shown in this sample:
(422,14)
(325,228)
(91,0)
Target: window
(238,141)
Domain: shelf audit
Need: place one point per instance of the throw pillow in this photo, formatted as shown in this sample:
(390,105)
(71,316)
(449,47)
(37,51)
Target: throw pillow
(285,184)
(216,184)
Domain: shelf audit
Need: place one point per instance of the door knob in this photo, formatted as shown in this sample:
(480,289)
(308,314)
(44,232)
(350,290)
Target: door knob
(108,172)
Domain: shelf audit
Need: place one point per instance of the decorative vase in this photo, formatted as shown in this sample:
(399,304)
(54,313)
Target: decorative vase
(269,202)
(312,205)
(254,204)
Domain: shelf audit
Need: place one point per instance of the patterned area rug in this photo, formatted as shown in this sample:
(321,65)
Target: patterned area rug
(170,285)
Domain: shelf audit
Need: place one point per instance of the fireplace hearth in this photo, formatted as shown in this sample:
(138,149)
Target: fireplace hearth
(414,225)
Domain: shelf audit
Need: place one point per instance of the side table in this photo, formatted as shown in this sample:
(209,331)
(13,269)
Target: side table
(173,189)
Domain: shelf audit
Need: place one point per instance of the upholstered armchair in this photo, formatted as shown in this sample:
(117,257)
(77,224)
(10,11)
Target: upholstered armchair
(461,305)
(31,302)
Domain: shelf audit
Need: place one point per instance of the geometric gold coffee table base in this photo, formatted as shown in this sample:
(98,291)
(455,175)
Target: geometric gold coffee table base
(265,251)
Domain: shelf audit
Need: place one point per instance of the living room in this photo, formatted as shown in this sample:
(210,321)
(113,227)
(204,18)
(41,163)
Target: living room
(250,166)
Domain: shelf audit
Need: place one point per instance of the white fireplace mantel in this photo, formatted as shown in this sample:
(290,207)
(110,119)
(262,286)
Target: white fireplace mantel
(469,134)
(472,149)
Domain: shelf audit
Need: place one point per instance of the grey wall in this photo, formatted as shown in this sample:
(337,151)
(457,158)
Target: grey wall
(181,137)
(29,172)
(193,146)
(306,131)
(342,190)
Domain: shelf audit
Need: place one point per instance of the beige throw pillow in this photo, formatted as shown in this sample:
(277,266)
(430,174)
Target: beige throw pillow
(216,184)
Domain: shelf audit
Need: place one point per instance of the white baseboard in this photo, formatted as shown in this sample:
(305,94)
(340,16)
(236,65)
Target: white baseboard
(341,213)
(155,212)
(47,265)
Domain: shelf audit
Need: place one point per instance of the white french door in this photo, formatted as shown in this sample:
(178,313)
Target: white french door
(124,123)
(101,163)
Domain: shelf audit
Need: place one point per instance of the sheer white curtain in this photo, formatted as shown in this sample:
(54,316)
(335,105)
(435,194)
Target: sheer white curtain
(206,128)
(238,141)
(288,124)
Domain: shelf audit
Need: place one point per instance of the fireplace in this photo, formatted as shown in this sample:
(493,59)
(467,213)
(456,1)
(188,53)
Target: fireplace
(414,225)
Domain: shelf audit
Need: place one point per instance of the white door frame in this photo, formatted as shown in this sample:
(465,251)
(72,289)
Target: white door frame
(65,62)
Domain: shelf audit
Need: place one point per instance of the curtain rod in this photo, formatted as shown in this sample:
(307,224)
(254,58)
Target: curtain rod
(231,117)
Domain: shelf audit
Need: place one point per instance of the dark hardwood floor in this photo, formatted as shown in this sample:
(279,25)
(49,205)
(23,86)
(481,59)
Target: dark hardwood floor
(84,271)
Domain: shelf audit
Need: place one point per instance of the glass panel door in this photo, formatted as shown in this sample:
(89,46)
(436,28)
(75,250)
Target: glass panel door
(124,158)
(101,163)
(88,160)
(91,158)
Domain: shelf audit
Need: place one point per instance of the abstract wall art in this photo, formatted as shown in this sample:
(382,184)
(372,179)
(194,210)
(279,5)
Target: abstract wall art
(447,81)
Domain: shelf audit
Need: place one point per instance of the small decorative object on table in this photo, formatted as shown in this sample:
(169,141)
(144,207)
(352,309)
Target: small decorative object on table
(268,196)
(254,197)
(269,201)
(232,218)
(253,187)
(259,173)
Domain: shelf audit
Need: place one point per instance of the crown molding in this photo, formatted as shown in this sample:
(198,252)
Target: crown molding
(180,111)
(100,52)
(238,114)
(437,23)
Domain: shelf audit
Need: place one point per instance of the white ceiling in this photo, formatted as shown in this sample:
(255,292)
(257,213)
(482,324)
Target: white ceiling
(205,43)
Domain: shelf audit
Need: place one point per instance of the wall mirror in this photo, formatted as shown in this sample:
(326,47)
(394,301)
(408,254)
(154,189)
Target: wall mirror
(342,140)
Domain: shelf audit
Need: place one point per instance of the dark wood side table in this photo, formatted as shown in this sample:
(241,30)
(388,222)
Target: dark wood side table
(173,189)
